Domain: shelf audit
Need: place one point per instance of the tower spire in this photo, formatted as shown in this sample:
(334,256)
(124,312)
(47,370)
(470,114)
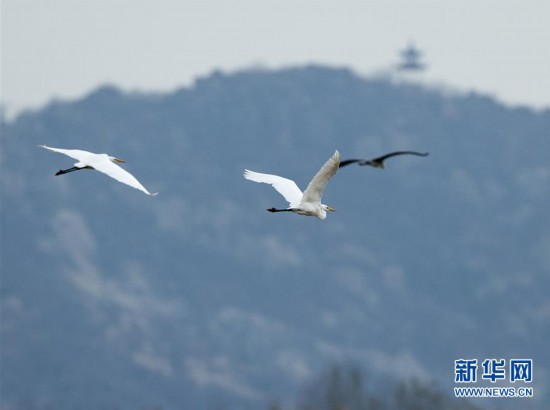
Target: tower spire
(411,59)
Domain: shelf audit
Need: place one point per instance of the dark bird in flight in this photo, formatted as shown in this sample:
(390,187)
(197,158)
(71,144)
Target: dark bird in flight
(379,162)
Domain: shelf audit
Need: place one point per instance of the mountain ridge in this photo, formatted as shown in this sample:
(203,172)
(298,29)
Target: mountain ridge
(199,298)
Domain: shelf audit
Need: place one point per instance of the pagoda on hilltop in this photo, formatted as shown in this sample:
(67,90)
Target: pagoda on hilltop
(411,60)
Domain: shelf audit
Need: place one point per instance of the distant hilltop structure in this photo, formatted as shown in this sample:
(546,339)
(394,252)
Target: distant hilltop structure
(411,60)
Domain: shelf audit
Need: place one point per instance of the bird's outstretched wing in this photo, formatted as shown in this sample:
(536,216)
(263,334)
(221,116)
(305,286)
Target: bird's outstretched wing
(118,173)
(349,161)
(73,153)
(286,187)
(314,190)
(393,154)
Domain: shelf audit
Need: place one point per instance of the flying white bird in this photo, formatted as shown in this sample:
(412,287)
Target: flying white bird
(307,203)
(100,162)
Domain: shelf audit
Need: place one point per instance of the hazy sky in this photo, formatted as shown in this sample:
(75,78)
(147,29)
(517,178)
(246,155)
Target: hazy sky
(66,48)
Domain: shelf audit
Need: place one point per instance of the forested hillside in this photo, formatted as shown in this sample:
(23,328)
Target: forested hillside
(200,299)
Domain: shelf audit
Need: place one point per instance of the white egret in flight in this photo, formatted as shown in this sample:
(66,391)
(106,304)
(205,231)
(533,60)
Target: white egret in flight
(379,162)
(100,162)
(307,203)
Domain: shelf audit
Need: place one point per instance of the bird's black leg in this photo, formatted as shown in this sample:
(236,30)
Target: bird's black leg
(279,210)
(66,171)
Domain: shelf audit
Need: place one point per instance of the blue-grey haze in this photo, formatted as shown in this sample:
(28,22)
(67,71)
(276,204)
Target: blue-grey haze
(198,298)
